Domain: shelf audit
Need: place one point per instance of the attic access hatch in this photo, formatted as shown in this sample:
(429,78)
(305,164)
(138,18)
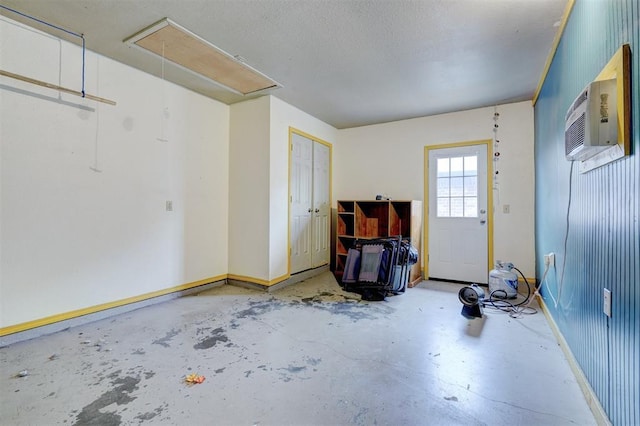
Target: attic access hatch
(174,43)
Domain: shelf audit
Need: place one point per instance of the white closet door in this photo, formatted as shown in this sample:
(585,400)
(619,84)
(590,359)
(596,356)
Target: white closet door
(301,183)
(321,205)
(310,203)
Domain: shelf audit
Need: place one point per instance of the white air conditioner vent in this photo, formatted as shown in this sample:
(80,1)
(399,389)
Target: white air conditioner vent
(591,122)
(579,101)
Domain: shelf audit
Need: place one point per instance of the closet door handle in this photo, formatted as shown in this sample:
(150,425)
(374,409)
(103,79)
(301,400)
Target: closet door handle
(317,210)
(309,211)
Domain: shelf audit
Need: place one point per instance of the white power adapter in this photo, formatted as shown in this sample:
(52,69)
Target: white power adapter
(550,259)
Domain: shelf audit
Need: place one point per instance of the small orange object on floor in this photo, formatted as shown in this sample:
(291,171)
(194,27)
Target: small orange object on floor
(194,379)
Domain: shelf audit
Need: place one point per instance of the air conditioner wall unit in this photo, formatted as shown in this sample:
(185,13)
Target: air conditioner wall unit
(591,122)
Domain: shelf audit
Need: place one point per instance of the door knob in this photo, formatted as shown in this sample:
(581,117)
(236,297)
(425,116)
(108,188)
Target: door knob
(482,221)
(483,211)
(309,210)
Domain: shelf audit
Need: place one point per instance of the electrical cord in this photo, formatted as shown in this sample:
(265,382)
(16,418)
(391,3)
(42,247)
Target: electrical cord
(543,281)
(537,292)
(515,310)
(566,238)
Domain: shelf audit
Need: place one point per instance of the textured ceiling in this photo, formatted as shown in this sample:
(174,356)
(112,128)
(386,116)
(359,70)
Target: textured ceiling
(349,63)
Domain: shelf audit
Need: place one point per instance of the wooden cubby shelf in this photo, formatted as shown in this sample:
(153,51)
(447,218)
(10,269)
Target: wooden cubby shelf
(370,219)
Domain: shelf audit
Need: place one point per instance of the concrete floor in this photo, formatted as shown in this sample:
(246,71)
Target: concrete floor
(309,354)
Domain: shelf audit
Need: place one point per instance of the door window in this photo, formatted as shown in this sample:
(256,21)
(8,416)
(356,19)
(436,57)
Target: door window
(457,191)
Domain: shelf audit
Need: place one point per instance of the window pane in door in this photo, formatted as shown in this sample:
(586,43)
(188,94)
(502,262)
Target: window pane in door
(470,186)
(457,207)
(470,207)
(443,207)
(443,187)
(471,165)
(457,185)
(443,167)
(457,166)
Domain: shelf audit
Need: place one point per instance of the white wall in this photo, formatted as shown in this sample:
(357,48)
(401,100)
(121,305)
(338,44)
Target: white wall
(259,183)
(72,237)
(249,189)
(389,159)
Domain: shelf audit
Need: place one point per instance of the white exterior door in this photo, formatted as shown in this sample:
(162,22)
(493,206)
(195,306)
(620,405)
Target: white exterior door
(310,203)
(458,231)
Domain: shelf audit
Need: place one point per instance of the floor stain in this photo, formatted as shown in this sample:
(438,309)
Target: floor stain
(167,338)
(294,370)
(314,361)
(285,378)
(354,311)
(344,305)
(151,414)
(291,369)
(119,395)
(201,331)
(217,335)
(360,418)
(451,398)
(259,308)
(326,296)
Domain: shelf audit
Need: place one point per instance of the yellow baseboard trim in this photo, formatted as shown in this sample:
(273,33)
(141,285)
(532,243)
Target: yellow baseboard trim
(592,400)
(104,306)
(258,280)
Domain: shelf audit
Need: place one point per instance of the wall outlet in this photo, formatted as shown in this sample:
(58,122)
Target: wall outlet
(506,208)
(550,260)
(169,206)
(606,299)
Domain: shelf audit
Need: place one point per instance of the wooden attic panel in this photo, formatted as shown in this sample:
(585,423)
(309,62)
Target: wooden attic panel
(205,59)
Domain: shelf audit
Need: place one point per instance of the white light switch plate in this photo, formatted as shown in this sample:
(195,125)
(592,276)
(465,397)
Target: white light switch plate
(606,297)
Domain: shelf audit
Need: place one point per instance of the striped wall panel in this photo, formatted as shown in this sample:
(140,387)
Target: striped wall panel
(598,213)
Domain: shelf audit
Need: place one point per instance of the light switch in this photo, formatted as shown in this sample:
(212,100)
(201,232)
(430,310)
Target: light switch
(606,296)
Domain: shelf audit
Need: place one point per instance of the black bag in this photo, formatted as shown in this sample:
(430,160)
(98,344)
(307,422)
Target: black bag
(373,294)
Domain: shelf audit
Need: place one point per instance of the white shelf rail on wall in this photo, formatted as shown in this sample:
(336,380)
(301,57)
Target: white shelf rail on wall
(26,79)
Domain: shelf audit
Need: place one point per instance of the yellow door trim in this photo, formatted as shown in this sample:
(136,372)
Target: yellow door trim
(292,131)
